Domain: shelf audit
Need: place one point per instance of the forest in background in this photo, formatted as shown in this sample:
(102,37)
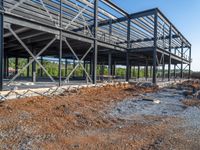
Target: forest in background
(52,69)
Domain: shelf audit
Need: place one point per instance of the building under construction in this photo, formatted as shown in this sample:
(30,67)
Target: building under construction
(87,34)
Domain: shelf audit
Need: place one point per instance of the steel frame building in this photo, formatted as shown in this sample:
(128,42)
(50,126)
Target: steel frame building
(94,32)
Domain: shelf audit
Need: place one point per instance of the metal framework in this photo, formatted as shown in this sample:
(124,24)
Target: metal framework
(92,33)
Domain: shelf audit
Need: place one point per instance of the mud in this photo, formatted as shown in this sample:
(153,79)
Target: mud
(111,117)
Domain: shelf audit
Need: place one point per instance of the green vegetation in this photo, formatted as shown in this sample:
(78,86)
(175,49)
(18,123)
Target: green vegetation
(52,69)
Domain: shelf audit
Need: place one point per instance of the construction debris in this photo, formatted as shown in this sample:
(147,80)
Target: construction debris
(151,100)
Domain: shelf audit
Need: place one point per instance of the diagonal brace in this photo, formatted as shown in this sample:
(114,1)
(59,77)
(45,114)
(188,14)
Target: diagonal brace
(79,61)
(80,12)
(27,49)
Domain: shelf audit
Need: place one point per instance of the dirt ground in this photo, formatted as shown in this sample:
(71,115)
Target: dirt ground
(80,120)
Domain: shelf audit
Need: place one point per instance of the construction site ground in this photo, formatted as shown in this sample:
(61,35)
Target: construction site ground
(123,116)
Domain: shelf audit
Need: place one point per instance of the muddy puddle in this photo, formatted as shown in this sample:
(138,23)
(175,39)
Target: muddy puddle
(170,106)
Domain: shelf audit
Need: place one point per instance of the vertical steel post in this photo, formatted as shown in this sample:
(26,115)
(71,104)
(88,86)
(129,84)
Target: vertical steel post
(182,60)
(170,45)
(41,70)
(114,69)
(128,47)
(34,69)
(91,62)
(28,68)
(109,64)
(130,71)
(1,47)
(66,68)
(60,51)
(155,46)
(94,72)
(190,59)
(174,71)
(5,64)
(134,72)
(163,68)
(7,67)
(84,65)
(101,71)
(16,65)
(138,72)
(146,70)
(74,64)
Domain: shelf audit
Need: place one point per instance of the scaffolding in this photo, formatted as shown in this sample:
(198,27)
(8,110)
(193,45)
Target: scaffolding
(88,33)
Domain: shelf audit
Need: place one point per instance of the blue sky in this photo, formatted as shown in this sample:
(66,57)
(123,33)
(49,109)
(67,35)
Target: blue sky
(184,14)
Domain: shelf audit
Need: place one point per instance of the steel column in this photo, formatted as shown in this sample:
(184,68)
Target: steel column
(130,71)
(73,75)
(16,65)
(101,71)
(109,63)
(174,71)
(84,65)
(128,47)
(189,73)
(147,70)
(41,70)
(138,72)
(170,45)
(66,68)
(34,74)
(163,68)
(1,46)
(114,69)
(155,47)
(28,68)
(134,72)
(60,51)
(182,60)
(95,51)
(5,65)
